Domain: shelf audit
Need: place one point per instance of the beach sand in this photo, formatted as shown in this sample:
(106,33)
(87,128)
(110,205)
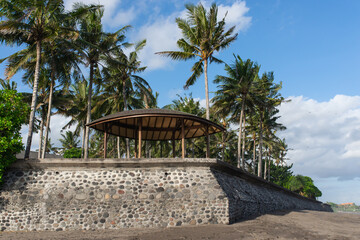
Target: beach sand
(278,225)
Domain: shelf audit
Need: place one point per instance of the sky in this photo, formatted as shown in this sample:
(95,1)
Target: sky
(313,48)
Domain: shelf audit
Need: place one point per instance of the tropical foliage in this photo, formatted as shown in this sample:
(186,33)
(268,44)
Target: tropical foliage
(72,153)
(304,186)
(13,113)
(203,35)
(58,46)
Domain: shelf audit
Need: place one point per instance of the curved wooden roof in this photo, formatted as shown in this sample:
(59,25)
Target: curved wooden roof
(156,124)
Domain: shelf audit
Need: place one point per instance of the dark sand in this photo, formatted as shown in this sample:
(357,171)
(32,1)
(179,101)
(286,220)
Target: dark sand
(279,225)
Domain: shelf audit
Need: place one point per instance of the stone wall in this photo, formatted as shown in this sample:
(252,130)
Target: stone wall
(64,194)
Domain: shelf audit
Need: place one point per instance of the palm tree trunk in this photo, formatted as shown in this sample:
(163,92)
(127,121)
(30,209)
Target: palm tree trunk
(88,116)
(125,109)
(223,141)
(223,147)
(207,97)
(269,167)
(206,89)
(49,112)
(83,140)
(150,149)
(33,101)
(240,133)
(161,149)
(193,148)
(41,132)
(243,144)
(254,153)
(265,165)
(260,146)
(118,146)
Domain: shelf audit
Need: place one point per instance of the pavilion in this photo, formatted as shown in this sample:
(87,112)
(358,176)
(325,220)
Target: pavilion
(156,125)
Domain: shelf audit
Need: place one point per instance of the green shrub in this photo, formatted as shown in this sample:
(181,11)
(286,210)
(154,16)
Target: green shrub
(303,185)
(72,153)
(13,113)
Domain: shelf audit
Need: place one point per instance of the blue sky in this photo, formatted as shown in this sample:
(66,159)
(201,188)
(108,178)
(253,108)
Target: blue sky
(313,47)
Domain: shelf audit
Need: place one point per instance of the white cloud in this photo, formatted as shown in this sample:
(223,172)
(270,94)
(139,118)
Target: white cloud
(163,33)
(235,15)
(324,136)
(113,16)
(160,35)
(56,124)
(202,102)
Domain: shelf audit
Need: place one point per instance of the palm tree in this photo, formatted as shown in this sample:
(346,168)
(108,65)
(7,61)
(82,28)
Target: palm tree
(34,23)
(55,64)
(7,85)
(189,105)
(235,90)
(76,107)
(43,94)
(69,140)
(203,35)
(268,97)
(121,80)
(61,59)
(271,141)
(92,44)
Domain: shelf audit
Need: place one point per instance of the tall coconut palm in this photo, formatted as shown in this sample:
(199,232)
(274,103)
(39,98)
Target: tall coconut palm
(56,64)
(203,35)
(76,108)
(32,22)
(235,90)
(268,97)
(270,127)
(60,59)
(92,44)
(120,74)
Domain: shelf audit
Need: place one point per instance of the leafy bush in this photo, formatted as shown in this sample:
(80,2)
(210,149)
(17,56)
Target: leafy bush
(280,175)
(72,153)
(13,113)
(304,186)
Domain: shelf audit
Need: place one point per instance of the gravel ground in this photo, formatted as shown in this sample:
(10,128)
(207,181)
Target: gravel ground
(279,225)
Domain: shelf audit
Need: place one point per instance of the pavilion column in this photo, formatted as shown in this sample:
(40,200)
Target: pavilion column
(105,141)
(140,133)
(183,138)
(207,142)
(173,143)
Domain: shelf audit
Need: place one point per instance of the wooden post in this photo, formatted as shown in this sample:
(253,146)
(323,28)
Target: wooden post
(173,144)
(140,132)
(223,146)
(207,142)
(105,141)
(182,138)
